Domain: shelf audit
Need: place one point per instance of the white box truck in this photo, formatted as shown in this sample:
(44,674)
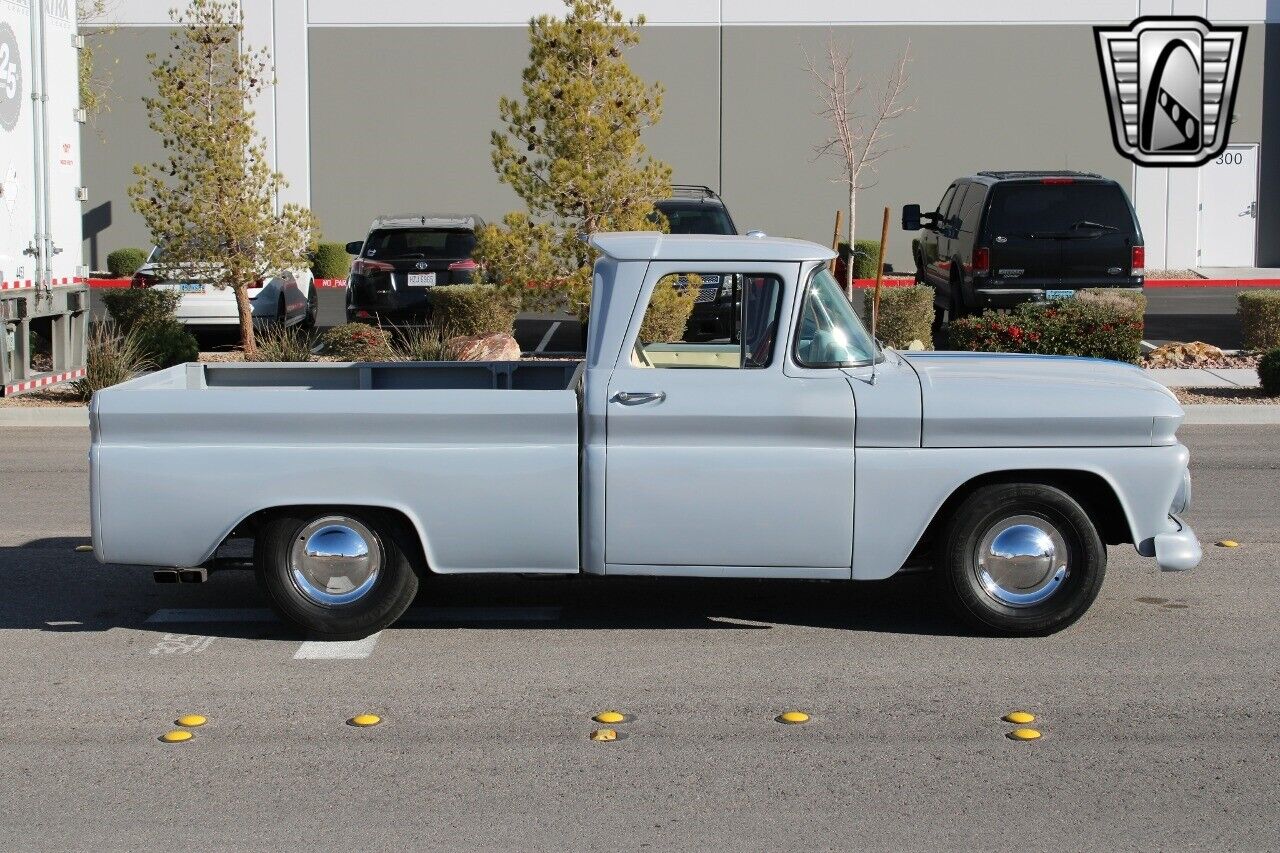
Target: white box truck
(44,295)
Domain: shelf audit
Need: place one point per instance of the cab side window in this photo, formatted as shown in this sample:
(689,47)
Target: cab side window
(710,321)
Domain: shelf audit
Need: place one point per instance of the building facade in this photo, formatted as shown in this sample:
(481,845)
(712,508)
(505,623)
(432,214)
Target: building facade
(387,106)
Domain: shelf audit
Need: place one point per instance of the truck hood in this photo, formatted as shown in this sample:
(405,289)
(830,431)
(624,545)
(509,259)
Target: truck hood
(1011,400)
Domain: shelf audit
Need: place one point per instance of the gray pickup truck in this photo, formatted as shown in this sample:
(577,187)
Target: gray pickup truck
(798,449)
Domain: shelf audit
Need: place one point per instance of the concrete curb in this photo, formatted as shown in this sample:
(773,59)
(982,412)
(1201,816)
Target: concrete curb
(1205,414)
(44,416)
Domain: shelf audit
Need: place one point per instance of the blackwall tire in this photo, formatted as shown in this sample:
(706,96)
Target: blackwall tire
(336,574)
(1020,559)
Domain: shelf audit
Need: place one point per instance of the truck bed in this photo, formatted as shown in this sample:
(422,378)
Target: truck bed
(184,455)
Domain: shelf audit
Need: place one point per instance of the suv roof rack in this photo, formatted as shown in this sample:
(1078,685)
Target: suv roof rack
(1039,173)
(693,191)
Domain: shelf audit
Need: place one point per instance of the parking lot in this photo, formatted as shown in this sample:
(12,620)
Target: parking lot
(1158,709)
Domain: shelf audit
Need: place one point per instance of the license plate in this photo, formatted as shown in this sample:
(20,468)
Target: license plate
(422,279)
(189,287)
(1059,294)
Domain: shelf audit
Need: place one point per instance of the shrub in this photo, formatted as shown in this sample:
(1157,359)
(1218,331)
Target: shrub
(865,255)
(137,306)
(424,344)
(283,343)
(112,358)
(1259,314)
(1067,327)
(1269,373)
(358,342)
(906,315)
(330,260)
(166,342)
(669,309)
(123,263)
(1125,299)
(473,309)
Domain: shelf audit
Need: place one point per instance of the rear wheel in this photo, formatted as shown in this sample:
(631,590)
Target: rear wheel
(1020,559)
(337,574)
(942,317)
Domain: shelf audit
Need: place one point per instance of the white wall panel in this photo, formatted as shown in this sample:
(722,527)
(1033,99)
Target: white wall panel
(1150,195)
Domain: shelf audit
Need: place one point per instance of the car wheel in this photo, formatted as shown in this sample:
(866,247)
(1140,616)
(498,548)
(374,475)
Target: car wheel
(337,574)
(313,309)
(1020,559)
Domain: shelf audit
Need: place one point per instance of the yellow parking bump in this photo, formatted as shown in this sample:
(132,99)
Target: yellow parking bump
(604,735)
(1019,717)
(191,721)
(610,717)
(176,736)
(1024,734)
(1228,543)
(83,549)
(364,720)
(793,717)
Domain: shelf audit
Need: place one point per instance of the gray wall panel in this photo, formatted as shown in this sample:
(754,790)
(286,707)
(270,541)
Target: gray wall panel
(401,116)
(1005,97)
(117,140)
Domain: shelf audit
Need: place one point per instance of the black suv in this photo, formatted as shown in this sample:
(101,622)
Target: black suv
(694,209)
(1001,238)
(402,259)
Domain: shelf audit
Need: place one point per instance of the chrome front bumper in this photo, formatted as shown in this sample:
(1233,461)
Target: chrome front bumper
(1178,550)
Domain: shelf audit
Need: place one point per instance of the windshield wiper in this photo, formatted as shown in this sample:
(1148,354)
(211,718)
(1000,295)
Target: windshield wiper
(1086,223)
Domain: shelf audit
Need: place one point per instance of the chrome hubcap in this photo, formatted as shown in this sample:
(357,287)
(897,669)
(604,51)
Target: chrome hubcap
(1021,561)
(335,561)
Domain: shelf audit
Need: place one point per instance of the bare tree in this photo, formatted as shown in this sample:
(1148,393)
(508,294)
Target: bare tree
(858,140)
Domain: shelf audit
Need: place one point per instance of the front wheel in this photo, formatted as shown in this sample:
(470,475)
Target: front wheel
(1020,559)
(336,574)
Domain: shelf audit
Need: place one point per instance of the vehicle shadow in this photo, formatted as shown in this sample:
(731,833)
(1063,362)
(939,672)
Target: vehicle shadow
(53,587)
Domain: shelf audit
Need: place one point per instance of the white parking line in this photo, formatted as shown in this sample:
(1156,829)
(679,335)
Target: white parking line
(337,650)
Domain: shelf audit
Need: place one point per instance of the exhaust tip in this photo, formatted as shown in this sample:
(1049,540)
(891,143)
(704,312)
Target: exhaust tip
(165,576)
(193,575)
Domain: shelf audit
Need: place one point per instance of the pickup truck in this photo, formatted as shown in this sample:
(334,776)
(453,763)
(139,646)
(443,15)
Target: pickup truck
(802,449)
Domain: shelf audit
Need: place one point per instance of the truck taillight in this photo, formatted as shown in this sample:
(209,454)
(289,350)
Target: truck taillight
(364,266)
(1138,263)
(142,279)
(467,265)
(981,259)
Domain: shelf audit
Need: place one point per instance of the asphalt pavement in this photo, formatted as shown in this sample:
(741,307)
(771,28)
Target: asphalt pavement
(1159,709)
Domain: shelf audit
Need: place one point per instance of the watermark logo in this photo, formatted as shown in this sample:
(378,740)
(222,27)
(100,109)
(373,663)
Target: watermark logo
(1171,87)
(10,78)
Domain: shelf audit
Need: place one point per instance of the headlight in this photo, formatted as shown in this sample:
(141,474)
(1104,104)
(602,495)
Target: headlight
(1182,498)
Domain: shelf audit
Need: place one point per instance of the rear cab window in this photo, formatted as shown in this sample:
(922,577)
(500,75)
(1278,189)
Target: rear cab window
(666,341)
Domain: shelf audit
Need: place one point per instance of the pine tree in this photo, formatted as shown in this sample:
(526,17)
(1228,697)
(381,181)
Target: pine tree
(211,203)
(572,150)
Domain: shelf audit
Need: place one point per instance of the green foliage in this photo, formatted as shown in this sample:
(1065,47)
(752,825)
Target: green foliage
(1269,373)
(358,342)
(330,260)
(166,342)
(865,255)
(906,315)
(113,358)
(571,150)
(95,82)
(422,344)
(283,343)
(1133,301)
(1065,327)
(669,309)
(473,309)
(138,306)
(123,263)
(211,200)
(1259,313)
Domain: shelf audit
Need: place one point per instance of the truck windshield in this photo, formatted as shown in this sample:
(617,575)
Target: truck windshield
(831,335)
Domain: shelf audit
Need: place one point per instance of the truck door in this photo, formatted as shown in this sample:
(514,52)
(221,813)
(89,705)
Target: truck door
(936,267)
(718,462)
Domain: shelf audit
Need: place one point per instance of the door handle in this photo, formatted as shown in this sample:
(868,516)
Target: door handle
(634,398)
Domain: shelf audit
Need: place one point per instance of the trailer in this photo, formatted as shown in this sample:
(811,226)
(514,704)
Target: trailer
(44,294)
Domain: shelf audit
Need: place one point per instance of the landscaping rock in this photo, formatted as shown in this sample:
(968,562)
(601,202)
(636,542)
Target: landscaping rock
(482,348)
(1198,354)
